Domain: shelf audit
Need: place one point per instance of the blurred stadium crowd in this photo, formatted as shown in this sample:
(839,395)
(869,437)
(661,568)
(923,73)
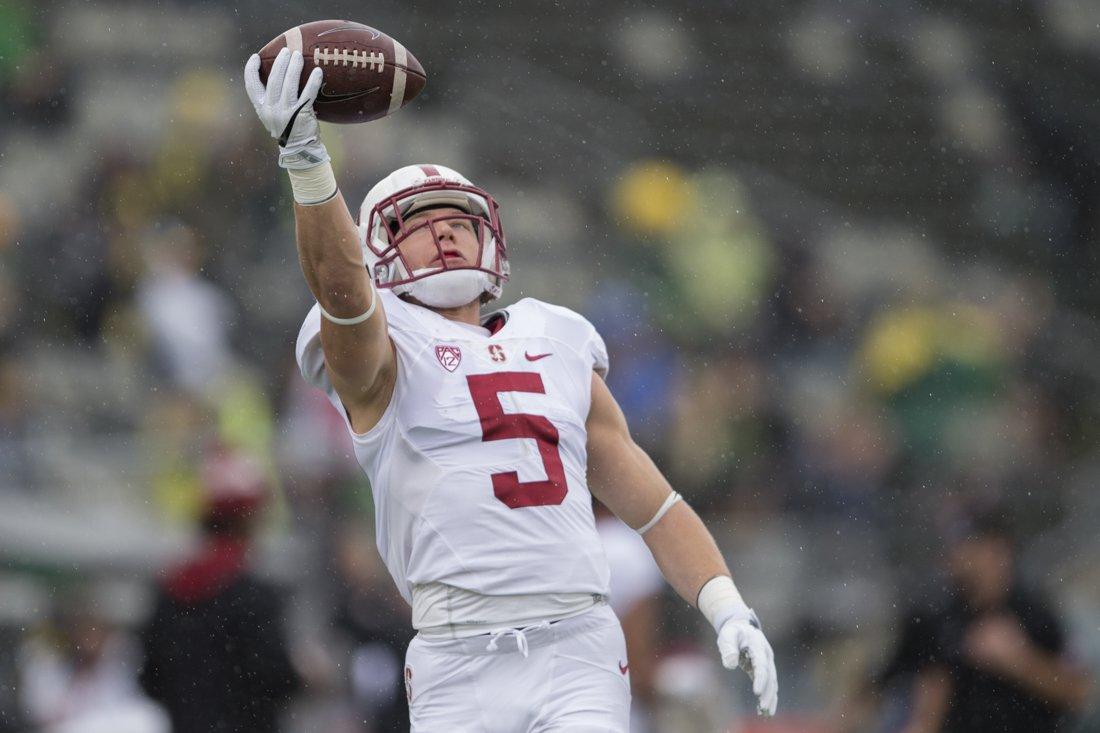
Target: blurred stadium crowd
(843,254)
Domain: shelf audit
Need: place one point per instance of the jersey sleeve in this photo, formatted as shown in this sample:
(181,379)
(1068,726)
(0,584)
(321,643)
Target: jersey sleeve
(597,350)
(311,362)
(311,359)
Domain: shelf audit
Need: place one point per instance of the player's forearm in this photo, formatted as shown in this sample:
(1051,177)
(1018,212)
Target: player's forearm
(328,241)
(624,478)
(330,256)
(685,551)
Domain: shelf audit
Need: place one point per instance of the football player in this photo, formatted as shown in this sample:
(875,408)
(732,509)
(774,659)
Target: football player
(484,437)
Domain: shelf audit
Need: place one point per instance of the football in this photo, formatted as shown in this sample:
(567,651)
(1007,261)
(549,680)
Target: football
(367,74)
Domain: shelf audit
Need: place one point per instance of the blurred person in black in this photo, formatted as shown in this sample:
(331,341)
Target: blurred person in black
(992,658)
(215,653)
(375,623)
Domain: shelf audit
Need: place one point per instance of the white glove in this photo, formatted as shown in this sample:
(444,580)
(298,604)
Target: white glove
(742,643)
(288,116)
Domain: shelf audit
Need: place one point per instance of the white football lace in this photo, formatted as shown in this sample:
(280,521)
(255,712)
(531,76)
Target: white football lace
(373,61)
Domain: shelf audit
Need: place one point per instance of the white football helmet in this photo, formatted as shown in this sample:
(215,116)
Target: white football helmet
(382,228)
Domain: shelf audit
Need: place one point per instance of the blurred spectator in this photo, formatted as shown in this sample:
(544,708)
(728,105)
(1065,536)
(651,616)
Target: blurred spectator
(188,316)
(375,621)
(78,295)
(9,295)
(994,657)
(15,463)
(636,586)
(215,652)
(81,678)
(692,692)
(38,91)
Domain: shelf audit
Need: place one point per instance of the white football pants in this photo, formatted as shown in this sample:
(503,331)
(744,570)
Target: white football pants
(571,675)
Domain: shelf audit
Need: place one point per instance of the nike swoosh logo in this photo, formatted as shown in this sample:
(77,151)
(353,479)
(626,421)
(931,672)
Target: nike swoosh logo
(536,357)
(324,97)
(290,124)
(624,668)
(374,34)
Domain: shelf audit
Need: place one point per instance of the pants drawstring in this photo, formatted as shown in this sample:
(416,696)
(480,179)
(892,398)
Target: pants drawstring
(519,634)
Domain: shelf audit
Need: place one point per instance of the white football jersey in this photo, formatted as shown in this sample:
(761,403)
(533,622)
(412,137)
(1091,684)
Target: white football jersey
(478,464)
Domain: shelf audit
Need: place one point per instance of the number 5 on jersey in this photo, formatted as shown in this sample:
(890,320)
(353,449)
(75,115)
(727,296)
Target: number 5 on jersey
(496,424)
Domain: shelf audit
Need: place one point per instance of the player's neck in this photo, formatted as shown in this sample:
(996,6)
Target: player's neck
(469,313)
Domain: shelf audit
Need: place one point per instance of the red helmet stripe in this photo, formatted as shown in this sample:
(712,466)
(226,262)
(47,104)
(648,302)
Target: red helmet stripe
(430,171)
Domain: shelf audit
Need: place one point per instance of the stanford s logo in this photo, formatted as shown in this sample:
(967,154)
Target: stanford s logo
(449,356)
(496,353)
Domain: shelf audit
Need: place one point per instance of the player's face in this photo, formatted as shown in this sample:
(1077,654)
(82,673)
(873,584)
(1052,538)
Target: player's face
(458,238)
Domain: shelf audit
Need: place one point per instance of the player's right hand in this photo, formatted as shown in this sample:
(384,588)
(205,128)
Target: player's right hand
(287,115)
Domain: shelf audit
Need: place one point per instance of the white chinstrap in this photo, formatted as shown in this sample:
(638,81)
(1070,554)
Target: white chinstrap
(449,289)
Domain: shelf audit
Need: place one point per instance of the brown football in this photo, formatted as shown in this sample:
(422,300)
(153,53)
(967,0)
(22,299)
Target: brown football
(367,74)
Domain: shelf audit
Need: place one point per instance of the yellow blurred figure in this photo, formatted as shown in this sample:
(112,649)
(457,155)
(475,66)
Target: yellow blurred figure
(653,197)
(903,345)
(731,260)
(899,348)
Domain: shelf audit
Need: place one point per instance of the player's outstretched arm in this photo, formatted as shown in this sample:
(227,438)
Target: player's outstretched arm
(358,352)
(625,479)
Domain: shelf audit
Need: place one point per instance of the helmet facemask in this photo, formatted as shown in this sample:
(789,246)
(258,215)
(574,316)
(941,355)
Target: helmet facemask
(443,283)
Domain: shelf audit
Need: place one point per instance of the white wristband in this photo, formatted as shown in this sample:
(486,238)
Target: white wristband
(672,499)
(719,601)
(357,319)
(312,186)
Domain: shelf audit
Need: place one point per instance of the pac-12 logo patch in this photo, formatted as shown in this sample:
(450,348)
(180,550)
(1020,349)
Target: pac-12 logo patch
(449,356)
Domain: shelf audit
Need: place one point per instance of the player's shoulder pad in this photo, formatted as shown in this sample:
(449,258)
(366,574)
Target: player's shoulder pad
(567,326)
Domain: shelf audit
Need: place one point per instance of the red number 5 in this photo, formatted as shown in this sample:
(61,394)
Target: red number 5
(496,424)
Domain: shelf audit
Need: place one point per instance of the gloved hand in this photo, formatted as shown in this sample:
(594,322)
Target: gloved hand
(288,116)
(742,644)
